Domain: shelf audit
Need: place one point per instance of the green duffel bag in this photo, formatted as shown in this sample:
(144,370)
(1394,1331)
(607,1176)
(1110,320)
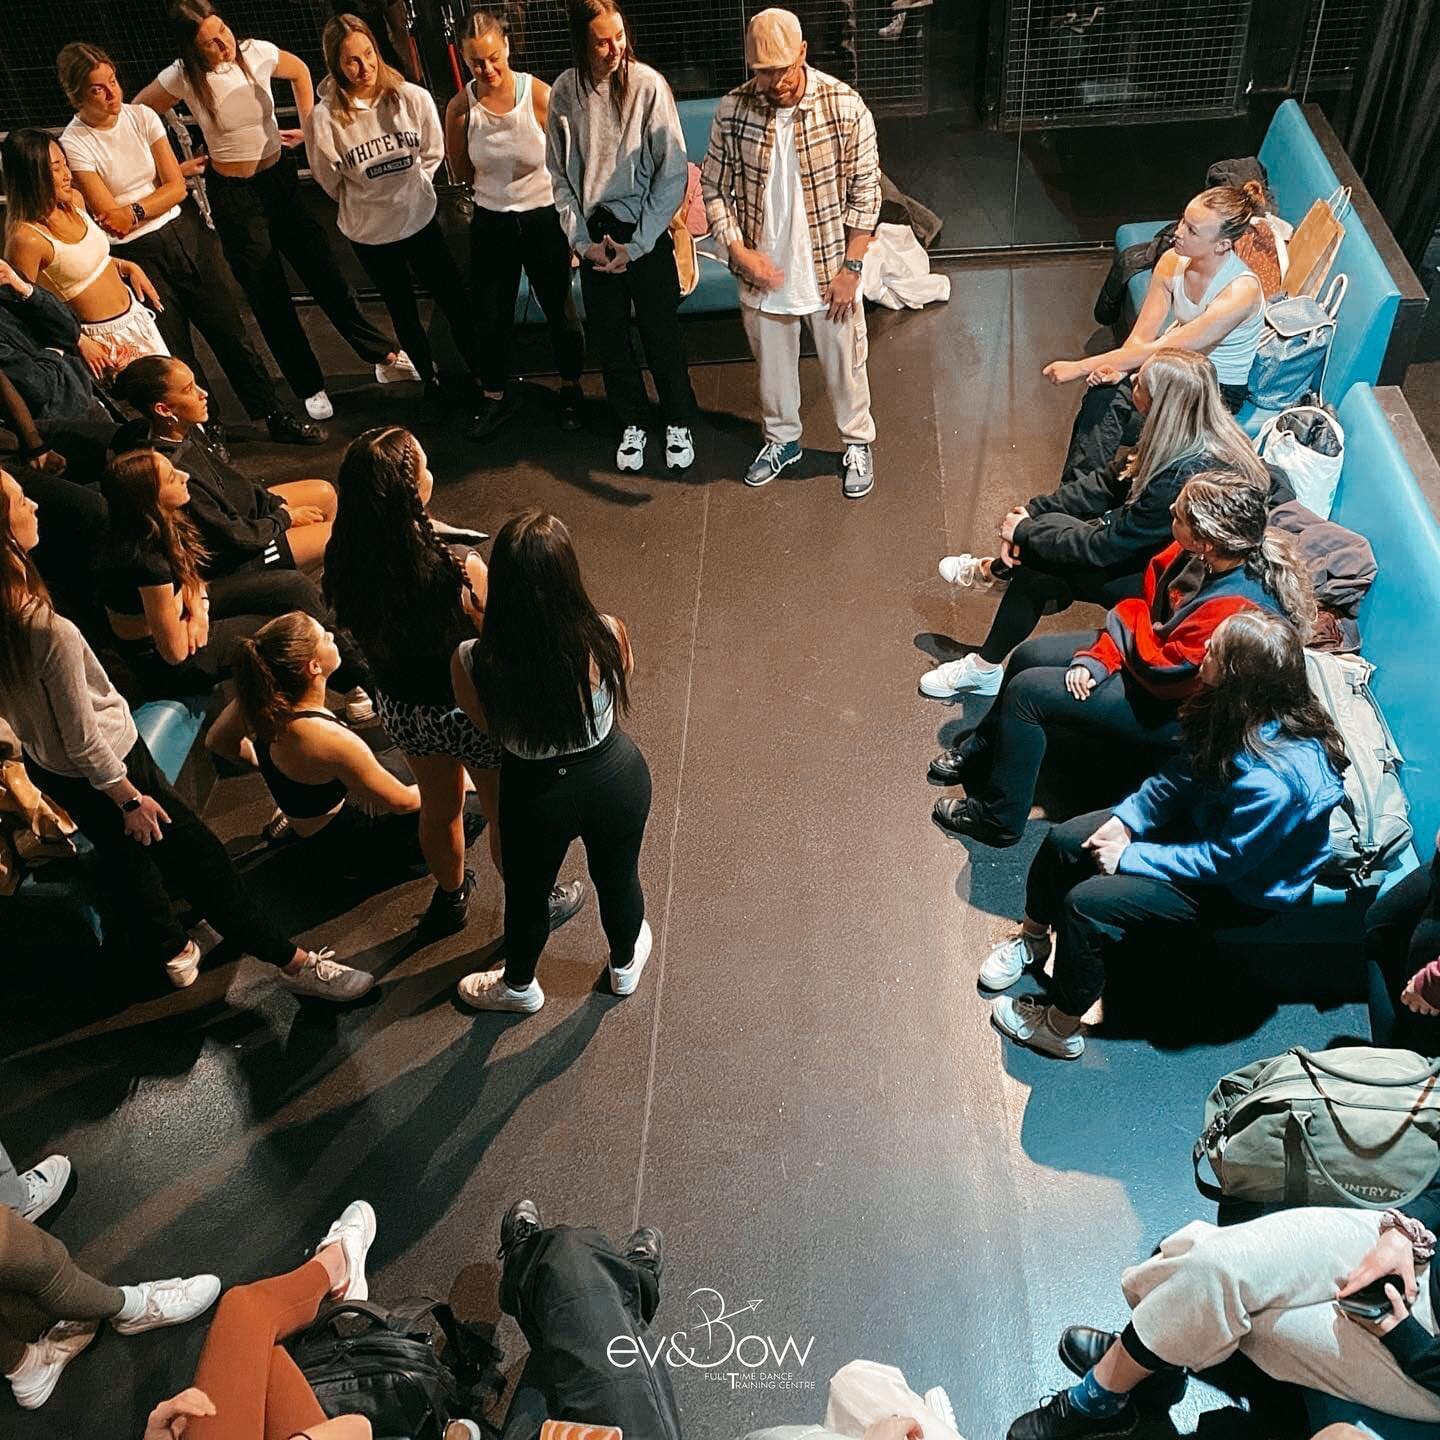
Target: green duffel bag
(1357,1127)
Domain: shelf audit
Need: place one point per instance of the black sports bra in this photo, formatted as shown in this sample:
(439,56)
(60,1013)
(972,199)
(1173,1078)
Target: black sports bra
(300,799)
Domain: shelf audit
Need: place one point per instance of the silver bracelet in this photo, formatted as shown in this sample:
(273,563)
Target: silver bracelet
(1419,1237)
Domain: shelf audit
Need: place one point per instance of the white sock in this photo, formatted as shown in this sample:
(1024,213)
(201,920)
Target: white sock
(134,1305)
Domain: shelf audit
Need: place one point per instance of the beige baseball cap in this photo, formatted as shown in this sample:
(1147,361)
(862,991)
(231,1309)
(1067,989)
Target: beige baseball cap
(773,40)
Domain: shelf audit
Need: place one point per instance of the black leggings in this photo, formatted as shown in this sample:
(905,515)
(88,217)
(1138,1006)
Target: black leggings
(1002,758)
(1094,914)
(393,270)
(1402,935)
(189,860)
(501,243)
(600,797)
(1038,587)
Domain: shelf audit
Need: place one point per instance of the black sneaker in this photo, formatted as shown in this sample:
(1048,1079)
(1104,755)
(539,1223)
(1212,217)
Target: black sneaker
(489,417)
(572,398)
(1081,1349)
(288,429)
(1058,1419)
(565,900)
(448,908)
(645,1247)
(518,1224)
(474,823)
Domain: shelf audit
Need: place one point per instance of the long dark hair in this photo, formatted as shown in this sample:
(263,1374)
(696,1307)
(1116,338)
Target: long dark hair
(24,601)
(29,185)
(580,14)
(131,485)
(391,579)
(144,383)
(269,671)
(1259,681)
(542,634)
(186,17)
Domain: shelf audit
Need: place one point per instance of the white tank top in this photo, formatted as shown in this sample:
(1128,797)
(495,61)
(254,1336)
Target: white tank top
(78,264)
(508,152)
(1234,355)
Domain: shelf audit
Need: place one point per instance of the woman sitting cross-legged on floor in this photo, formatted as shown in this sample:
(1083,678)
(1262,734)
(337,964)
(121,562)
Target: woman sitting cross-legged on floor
(83,750)
(1235,827)
(1092,538)
(1123,687)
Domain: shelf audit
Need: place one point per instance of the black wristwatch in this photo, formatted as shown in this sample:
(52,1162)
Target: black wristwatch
(130,806)
(138,211)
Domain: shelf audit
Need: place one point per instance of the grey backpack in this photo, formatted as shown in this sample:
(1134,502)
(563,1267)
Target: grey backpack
(1372,824)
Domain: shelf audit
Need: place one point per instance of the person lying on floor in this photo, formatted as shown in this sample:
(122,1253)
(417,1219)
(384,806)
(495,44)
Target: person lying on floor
(247,1387)
(1092,538)
(1236,827)
(1202,297)
(354,812)
(1122,688)
(83,751)
(1267,1289)
(1402,953)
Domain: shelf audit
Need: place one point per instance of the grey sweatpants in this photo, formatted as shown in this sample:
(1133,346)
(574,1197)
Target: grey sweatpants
(12,1192)
(1267,1288)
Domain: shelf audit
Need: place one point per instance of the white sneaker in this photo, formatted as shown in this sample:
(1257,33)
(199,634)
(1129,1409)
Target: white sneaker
(631,454)
(679,447)
(937,1402)
(183,969)
(961,677)
(318,406)
(624,979)
(168,1302)
(322,977)
(966,571)
(401,368)
(1011,958)
(359,707)
(354,1233)
(487,990)
(44,1184)
(37,1375)
(1029,1022)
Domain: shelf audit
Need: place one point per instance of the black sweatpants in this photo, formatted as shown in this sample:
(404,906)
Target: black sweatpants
(185,262)
(1094,914)
(573,1294)
(262,221)
(652,286)
(501,243)
(393,270)
(188,861)
(1002,758)
(1038,587)
(600,797)
(1402,935)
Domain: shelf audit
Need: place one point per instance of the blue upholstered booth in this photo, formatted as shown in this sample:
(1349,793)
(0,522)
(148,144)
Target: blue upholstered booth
(1299,175)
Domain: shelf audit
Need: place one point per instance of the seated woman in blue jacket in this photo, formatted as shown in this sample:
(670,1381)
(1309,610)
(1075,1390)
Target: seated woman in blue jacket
(1237,826)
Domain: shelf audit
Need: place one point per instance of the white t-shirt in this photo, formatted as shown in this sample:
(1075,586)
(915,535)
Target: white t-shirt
(240,123)
(121,156)
(786,240)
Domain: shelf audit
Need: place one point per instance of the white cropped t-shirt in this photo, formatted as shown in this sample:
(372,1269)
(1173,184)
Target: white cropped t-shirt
(240,123)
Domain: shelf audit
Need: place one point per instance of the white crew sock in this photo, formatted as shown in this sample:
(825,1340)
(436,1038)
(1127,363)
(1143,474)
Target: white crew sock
(134,1305)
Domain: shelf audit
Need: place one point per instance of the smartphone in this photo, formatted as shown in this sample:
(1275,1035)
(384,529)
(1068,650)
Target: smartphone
(1371,1303)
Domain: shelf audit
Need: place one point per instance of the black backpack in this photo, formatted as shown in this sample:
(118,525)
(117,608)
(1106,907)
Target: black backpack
(384,1365)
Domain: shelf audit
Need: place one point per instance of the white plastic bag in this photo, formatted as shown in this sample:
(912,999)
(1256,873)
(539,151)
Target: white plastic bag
(1313,477)
(865,1391)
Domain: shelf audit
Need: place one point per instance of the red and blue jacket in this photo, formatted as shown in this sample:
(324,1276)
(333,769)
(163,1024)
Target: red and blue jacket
(1159,637)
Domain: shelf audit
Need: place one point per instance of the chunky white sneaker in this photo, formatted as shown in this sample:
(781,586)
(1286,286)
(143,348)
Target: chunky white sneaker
(167,1302)
(487,990)
(961,677)
(183,969)
(1011,958)
(354,1233)
(966,571)
(318,406)
(1029,1022)
(631,454)
(359,707)
(625,978)
(37,1375)
(44,1184)
(322,977)
(937,1402)
(399,369)
(679,447)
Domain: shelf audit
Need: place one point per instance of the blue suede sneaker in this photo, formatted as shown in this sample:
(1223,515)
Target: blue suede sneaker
(771,460)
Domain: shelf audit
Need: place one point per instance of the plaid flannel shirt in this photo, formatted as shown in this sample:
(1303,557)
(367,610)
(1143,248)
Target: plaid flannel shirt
(839,168)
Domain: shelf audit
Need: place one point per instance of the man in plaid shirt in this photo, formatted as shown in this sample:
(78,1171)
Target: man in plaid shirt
(792,188)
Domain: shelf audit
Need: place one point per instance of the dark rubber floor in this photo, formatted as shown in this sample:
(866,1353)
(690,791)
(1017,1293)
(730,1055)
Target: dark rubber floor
(804,1094)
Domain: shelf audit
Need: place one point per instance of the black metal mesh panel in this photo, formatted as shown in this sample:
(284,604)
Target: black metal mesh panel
(1091,62)
(1335,36)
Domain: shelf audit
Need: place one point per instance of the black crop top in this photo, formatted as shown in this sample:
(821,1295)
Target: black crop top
(300,799)
(126,568)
